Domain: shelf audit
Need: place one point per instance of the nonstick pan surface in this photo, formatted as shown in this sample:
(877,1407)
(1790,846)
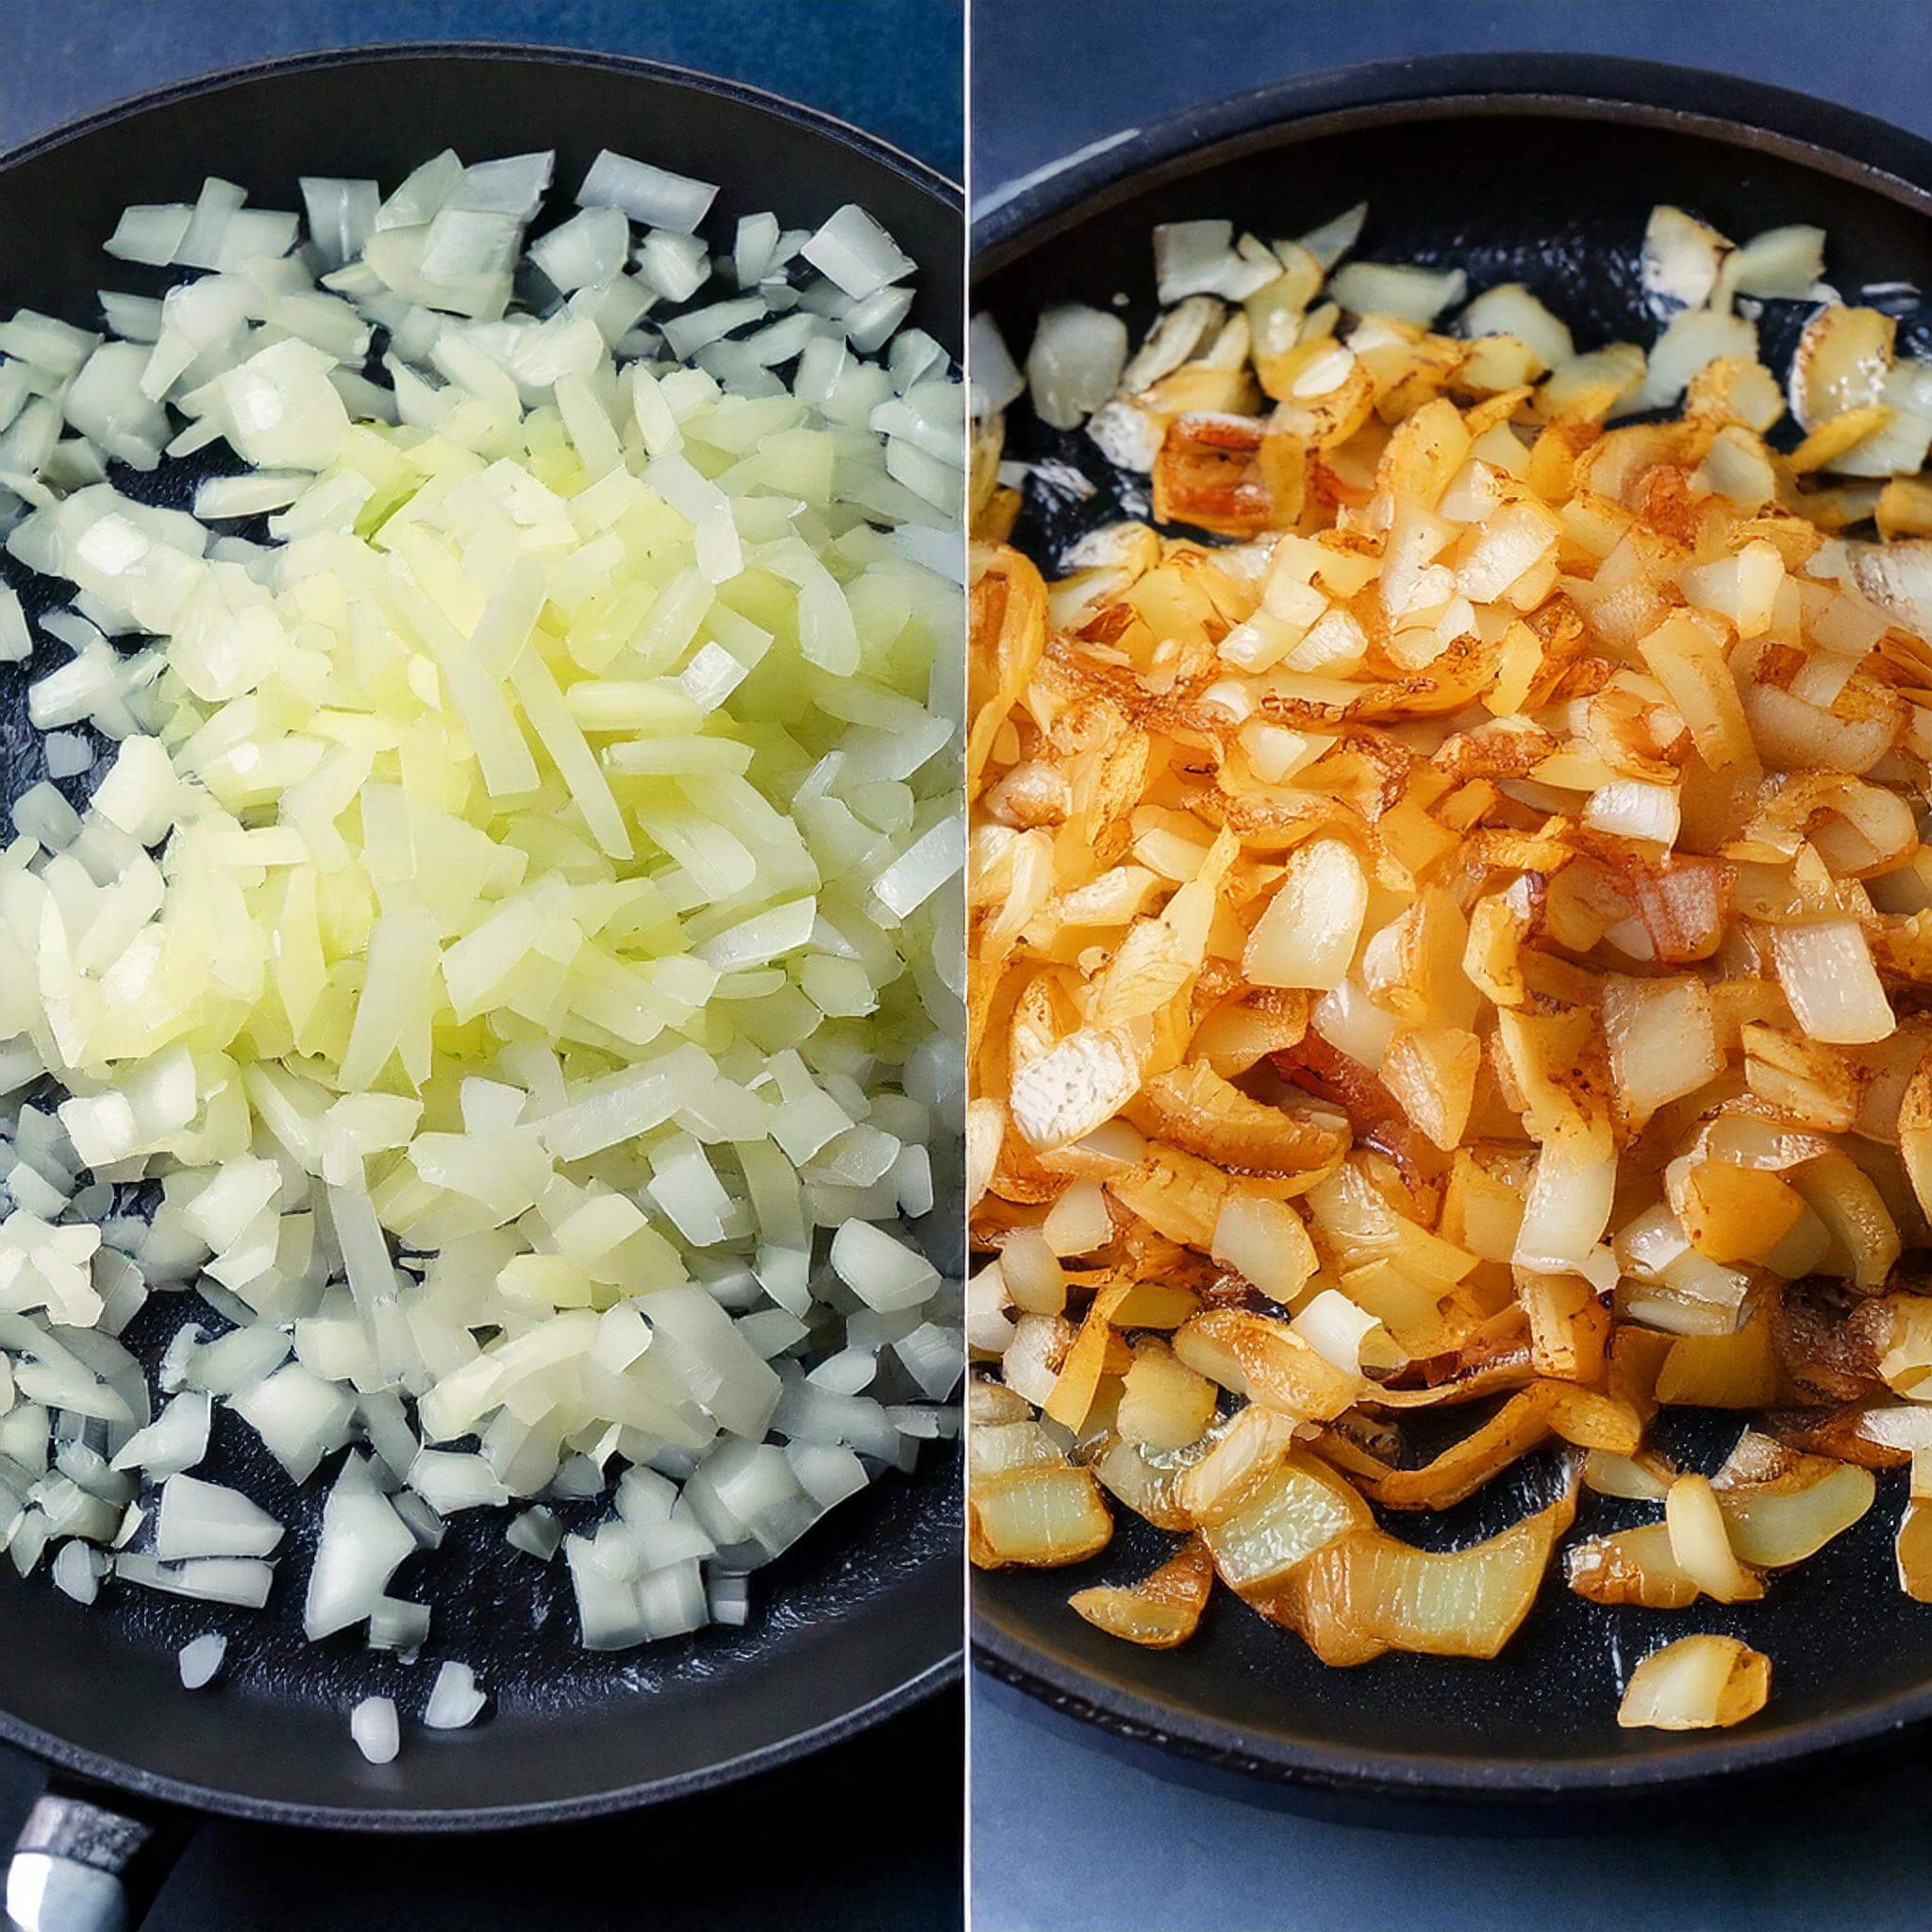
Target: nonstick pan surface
(1542,169)
(861,1617)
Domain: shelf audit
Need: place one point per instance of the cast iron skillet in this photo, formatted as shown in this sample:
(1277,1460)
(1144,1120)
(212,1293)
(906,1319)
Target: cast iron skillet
(1539,168)
(859,1621)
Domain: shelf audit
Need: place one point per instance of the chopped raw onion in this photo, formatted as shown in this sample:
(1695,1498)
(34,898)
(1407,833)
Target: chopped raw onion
(200,1518)
(654,197)
(453,1698)
(507,942)
(372,1725)
(854,252)
(201,1658)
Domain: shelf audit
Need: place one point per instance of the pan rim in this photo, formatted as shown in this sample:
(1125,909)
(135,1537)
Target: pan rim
(920,174)
(115,1776)
(1816,133)
(1840,142)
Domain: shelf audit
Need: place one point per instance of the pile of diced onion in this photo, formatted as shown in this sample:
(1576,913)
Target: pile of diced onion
(1465,937)
(489,942)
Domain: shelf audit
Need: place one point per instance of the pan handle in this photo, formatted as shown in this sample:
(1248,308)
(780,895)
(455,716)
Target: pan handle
(87,1861)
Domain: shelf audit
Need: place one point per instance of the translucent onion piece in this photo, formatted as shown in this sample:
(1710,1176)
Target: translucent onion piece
(1042,1517)
(1372,1591)
(1700,1542)
(1075,362)
(1159,1611)
(1697,1683)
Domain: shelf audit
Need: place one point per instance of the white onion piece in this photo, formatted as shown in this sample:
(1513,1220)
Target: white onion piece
(1694,339)
(1415,295)
(453,1698)
(1827,975)
(1074,363)
(74,1574)
(1681,257)
(654,197)
(342,216)
(1335,1327)
(536,1532)
(299,1417)
(397,1624)
(753,248)
(586,251)
(363,1542)
(449,1482)
(1634,809)
(240,1580)
(854,252)
(1785,264)
(1195,258)
(47,342)
(16,639)
(214,207)
(199,1519)
(151,234)
(67,754)
(200,1658)
(372,1726)
(883,1272)
(514,185)
(674,266)
(422,192)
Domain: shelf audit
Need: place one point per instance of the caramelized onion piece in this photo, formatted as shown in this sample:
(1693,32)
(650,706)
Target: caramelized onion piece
(1368,1592)
(1160,1610)
(1696,1684)
(1266,1361)
(1636,1565)
(1041,1517)
(1519,1426)
(1293,1512)
(1700,1542)
(1915,1533)
(1780,1505)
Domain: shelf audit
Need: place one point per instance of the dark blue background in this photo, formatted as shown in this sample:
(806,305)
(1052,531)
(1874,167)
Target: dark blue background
(1068,1838)
(1050,75)
(889,66)
(865,1838)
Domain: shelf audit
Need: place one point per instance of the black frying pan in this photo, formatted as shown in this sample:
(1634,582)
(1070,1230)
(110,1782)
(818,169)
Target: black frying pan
(1544,169)
(859,1620)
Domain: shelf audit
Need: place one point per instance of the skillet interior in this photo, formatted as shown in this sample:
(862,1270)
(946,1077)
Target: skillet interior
(861,1616)
(1556,193)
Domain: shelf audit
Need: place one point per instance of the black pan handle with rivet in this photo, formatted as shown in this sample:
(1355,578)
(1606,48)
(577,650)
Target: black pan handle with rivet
(86,1862)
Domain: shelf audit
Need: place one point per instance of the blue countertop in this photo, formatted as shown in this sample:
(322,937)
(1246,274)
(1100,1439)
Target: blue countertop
(1068,1836)
(792,1849)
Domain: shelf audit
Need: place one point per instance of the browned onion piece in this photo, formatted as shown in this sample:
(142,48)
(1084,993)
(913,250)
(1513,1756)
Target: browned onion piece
(1039,1518)
(1159,1611)
(1376,1591)
(1697,1683)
